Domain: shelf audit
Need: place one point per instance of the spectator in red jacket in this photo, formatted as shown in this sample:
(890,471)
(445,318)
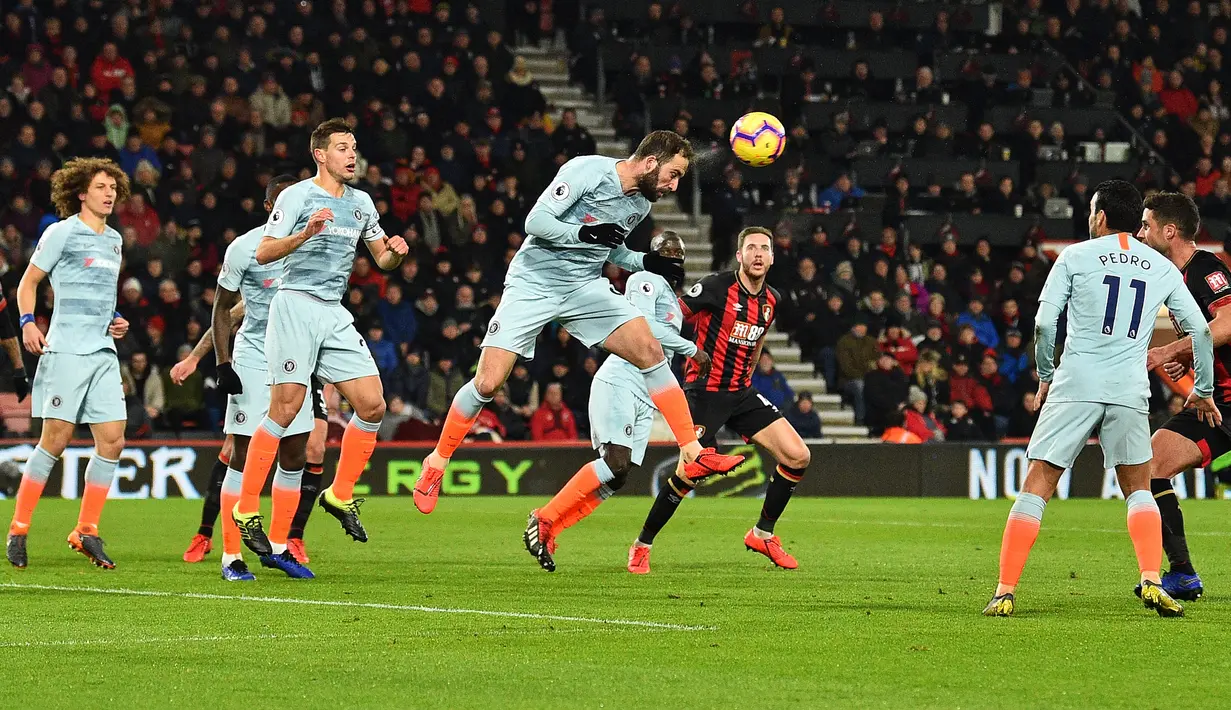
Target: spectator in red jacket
(920,420)
(142,218)
(902,348)
(1178,99)
(369,280)
(109,69)
(405,193)
(553,420)
(965,388)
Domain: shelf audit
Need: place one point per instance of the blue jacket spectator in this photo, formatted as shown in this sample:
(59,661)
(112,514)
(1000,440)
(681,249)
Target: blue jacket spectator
(384,352)
(803,418)
(977,318)
(133,152)
(1014,362)
(398,316)
(771,383)
(832,197)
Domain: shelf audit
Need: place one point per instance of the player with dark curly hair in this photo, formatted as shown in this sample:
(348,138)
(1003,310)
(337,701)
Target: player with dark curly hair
(78,376)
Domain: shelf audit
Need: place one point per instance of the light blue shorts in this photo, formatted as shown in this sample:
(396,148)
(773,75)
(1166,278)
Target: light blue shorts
(590,313)
(1064,427)
(82,389)
(619,417)
(246,410)
(305,335)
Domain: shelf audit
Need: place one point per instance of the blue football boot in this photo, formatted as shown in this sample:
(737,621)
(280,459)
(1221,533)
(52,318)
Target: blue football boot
(237,571)
(287,563)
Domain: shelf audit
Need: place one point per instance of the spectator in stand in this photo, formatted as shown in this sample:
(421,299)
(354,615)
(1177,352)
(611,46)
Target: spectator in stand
(1023,418)
(899,346)
(963,387)
(397,316)
(771,383)
(396,414)
(803,417)
(731,207)
(822,336)
(884,391)
(857,353)
(412,382)
(919,418)
(960,426)
(896,432)
(147,384)
(978,319)
(840,194)
(443,383)
(384,352)
(805,301)
(1014,360)
(553,420)
(186,402)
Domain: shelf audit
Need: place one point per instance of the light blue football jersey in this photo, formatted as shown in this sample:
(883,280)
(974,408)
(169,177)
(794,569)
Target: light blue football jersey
(586,191)
(654,297)
(321,266)
(256,284)
(84,268)
(1113,287)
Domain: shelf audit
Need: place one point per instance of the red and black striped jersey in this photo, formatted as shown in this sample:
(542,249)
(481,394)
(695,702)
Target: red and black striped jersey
(728,322)
(1209,281)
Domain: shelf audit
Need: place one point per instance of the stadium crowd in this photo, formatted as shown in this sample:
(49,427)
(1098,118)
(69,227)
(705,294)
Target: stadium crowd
(931,334)
(202,103)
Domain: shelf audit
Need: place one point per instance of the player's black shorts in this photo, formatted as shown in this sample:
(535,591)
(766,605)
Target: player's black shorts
(1213,441)
(319,410)
(745,412)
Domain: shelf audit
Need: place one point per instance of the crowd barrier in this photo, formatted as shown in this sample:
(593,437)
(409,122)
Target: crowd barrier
(978,471)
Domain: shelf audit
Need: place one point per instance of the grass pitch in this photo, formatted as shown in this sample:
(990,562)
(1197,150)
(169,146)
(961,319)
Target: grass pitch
(883,612)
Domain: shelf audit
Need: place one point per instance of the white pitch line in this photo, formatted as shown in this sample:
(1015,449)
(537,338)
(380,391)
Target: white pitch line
(361,605)
(139,640)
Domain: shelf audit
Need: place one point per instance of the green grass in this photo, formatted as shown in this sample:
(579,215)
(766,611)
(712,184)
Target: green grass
(884,612)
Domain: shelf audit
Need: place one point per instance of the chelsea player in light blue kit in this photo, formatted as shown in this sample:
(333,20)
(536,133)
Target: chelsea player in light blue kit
(314,229)
(621,409)
(78,376)
(1113,286)
(579,223)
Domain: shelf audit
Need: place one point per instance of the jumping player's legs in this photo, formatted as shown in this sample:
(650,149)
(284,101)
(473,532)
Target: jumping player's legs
(520,317)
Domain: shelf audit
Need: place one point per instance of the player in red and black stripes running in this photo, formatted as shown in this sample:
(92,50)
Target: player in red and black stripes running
(1169,224)
(730,313)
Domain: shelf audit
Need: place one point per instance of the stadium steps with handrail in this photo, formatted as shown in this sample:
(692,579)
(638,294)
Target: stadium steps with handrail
(551,73)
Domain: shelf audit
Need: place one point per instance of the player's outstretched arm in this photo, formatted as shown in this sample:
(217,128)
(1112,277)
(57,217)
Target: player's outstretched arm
(575,180)
(627,259)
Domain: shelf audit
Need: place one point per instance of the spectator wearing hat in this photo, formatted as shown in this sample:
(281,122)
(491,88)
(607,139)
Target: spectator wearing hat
(884,391)
(977,318)
(920,419)
(857,353)
(1014,360)
(553,420)
(803,417)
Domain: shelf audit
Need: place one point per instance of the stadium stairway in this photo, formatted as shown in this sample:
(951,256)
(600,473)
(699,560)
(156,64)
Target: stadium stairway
(550,70)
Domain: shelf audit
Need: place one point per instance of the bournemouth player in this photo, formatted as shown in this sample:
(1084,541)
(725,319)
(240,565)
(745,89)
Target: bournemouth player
(1112,286)
(580,222)
(78,377)
(1169,224)
(621,411)
(314,228)
(730,314)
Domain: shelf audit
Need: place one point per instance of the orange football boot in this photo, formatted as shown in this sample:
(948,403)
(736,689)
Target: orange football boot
(639,559)
(771,548)
(198,548)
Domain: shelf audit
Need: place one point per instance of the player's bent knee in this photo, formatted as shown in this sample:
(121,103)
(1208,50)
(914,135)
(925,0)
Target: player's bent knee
(316,449)
(110,448)
(620,460)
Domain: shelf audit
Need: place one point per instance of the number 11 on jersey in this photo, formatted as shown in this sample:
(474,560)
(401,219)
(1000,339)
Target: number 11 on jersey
(1113,299)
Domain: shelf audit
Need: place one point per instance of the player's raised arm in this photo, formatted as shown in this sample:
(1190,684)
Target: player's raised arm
(574,180)
(279,239)
(386,251)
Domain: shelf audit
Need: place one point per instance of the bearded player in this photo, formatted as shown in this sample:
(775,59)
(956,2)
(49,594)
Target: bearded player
(78,376)
(731,313)
(579,223)
(621,411)
(314,229)
(1169,224)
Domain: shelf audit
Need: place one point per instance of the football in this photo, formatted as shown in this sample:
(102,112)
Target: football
(758,138)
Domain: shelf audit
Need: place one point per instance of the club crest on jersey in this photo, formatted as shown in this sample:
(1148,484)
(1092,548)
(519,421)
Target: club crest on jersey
(700,431)
(767,311)
(628,430)
(56,402)
(288,367)
(358,215)
(493,328)
(240,417)
(560,192)
(1217,281)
